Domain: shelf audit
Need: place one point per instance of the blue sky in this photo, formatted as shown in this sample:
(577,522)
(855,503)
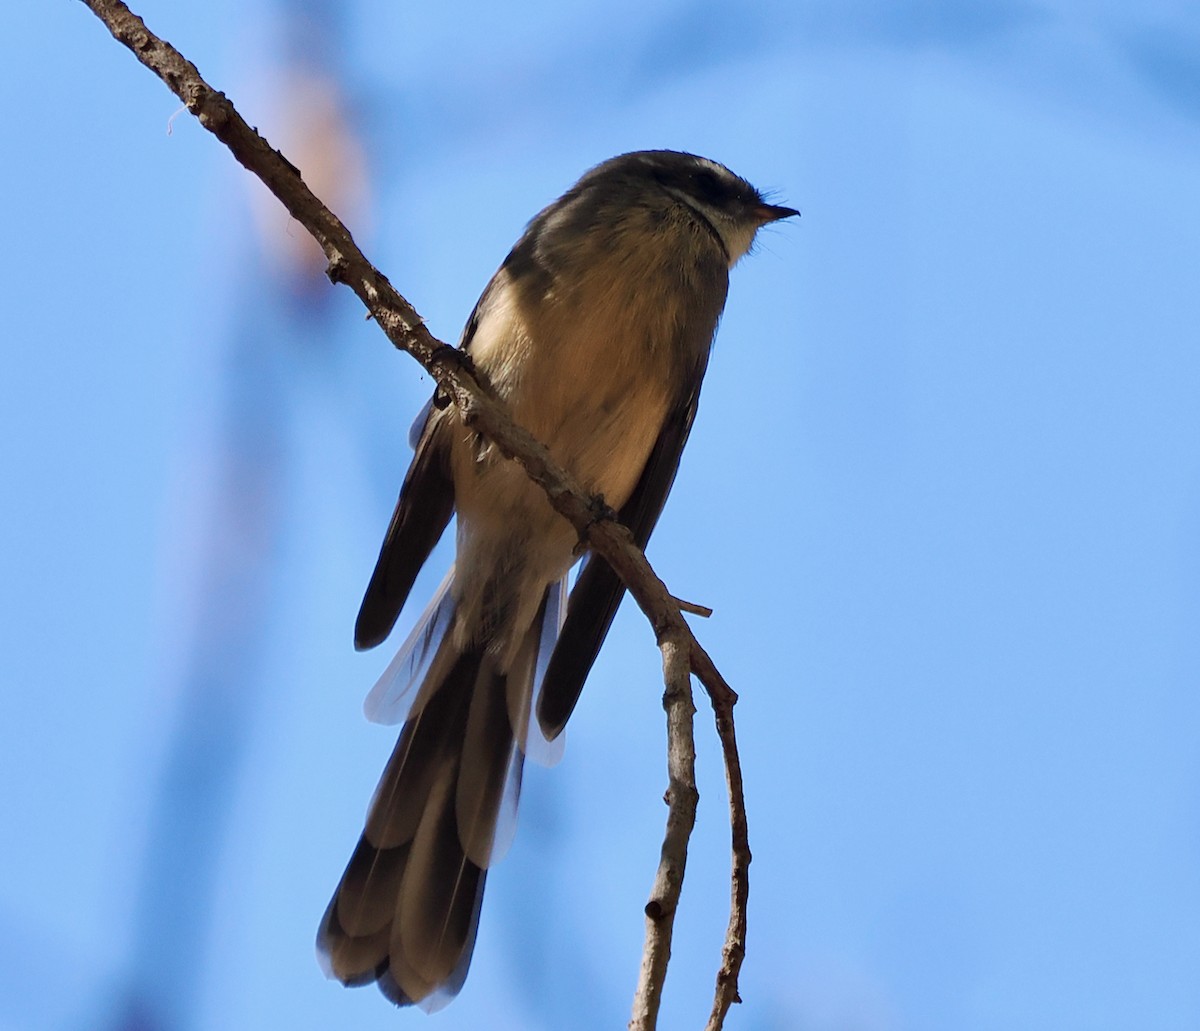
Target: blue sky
(943,494)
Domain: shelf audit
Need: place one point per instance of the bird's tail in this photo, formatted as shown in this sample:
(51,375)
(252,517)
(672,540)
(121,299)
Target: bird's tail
(406,911)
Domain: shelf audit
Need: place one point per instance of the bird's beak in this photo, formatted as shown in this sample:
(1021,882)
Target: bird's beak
(774,212)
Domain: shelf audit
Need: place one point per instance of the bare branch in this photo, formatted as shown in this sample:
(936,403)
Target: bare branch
(723,699)
(682,799)
(594,521)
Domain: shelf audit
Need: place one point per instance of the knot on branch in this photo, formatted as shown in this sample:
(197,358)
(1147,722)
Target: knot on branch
(679,693)
(337,271)
(727,977)
(599,511)
(211,107)
(453,358)
(657,910)
(450,361)
(724,698)
(682,794)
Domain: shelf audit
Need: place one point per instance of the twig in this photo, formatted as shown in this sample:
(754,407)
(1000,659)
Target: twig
(723,699)
(692,608)
(682,799)
(469,390)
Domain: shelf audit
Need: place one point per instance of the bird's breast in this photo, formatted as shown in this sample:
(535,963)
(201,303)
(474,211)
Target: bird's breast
(587,375)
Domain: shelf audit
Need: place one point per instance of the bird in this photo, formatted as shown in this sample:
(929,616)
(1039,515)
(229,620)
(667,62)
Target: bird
(596,332)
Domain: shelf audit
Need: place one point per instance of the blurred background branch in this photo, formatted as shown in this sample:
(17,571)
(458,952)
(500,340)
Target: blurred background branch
(944,486)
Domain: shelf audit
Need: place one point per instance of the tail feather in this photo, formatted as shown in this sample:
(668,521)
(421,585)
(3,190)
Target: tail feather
(391,699)
(406,911)
(522,706)
(354,960)
(487,750)
(370,870)
(433,730)
(436,904)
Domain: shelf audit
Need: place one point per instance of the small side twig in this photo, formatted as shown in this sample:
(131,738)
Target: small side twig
(692,608)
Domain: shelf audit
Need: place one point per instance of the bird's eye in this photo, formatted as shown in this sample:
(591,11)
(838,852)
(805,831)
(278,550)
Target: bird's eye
(708,186)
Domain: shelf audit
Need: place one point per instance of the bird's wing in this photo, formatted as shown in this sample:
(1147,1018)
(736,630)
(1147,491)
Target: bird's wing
(422,511)
(598,590)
